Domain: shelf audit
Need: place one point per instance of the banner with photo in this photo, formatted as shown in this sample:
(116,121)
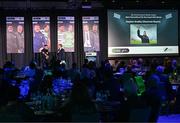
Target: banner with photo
(65,34)
(15,34)
(91,33)
(41,33)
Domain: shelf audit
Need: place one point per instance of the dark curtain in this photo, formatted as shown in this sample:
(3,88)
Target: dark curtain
(1,43)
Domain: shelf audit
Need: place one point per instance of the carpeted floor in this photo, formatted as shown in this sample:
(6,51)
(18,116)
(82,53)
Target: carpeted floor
(174,118)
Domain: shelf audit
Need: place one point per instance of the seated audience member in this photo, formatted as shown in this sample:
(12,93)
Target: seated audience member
(85,63)
(3,97)
(160,73)
(168,67)
(30,71)
(9,70)
(121,66)
(33,74)
(79,107)
(174,64)
(115,65)
(165,86)
(73,72)
(92,69)
(177,103)
(129,86)
(15,111)
(111,84)
(46,85)
(84,69)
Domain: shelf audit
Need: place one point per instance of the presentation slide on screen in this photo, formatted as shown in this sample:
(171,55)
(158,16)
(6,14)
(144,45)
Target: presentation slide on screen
(91,33)
(142,32)
(66,32)
(41,33)
(15,34)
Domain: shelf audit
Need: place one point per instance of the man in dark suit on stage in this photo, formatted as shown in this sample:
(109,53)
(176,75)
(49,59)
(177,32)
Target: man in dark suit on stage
(60,53)
(45,56)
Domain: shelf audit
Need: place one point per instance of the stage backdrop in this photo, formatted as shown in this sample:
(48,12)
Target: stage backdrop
(47,24)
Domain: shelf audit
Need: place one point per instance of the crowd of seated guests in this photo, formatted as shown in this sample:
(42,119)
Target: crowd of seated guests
(136,84)
(13,109)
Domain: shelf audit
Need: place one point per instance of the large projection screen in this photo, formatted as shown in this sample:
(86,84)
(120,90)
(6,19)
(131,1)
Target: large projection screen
(15,34)
(91,33)
(41,33)
(142,33)
(65,34)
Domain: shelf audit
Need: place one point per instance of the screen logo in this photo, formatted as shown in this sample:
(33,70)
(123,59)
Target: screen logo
(168,49)
(120,50)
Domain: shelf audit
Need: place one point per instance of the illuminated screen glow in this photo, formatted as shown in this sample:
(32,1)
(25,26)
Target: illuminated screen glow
(142,33)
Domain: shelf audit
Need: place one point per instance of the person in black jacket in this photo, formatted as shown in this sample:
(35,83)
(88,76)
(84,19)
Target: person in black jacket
(144,37)
(60,53)
(45,56)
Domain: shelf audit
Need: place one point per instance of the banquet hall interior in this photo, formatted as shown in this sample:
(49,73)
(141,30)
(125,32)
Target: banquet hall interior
(89,61)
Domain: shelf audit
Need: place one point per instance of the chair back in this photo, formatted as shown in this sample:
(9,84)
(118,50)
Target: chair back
(140,114)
